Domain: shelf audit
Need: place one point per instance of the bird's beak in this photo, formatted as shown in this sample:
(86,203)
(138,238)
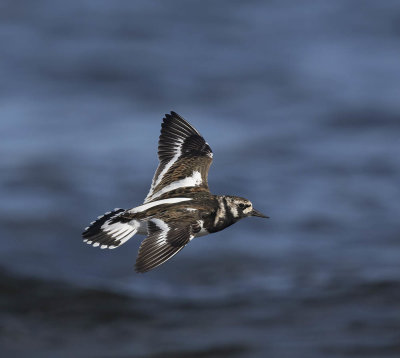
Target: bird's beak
(257,213)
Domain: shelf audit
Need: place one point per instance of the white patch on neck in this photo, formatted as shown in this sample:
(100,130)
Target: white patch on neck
(144,207)
(221,211)
(193,180)
(233,204)
(233,209)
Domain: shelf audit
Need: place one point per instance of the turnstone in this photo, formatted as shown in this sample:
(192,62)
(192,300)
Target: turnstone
(179,205)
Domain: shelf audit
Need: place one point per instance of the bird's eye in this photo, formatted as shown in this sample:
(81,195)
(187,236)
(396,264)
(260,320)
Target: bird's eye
(242,206)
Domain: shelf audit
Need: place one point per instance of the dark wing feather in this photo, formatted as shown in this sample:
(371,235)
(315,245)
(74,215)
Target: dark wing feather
(185,158)
(164,240)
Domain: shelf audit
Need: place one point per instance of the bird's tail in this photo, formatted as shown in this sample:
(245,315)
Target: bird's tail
(110,230)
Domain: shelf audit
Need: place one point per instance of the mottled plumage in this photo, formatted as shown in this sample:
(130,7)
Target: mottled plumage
(179,205)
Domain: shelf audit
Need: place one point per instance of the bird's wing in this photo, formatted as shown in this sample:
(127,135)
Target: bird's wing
(165,239)
(185,158)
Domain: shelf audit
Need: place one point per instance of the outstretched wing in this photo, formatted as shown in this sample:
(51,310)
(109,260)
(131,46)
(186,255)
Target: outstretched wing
(185,158)
(164,240)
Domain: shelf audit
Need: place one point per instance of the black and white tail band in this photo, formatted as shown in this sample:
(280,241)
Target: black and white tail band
(109,232)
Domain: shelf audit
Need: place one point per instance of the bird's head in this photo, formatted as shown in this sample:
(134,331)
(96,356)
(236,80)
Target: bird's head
(242,208)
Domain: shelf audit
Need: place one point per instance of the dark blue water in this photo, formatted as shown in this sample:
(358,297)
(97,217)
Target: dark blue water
(300,104)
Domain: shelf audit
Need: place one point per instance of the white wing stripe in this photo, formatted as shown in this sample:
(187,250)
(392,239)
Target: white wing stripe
(193,180)
(161,224)
(144,207)
(221,213)
(157,180)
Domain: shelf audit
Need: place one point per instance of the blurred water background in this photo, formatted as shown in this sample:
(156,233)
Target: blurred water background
(300,104)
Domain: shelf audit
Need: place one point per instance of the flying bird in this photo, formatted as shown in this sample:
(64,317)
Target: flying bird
(179,205)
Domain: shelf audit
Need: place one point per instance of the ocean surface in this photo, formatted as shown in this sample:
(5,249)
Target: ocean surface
(300,102)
